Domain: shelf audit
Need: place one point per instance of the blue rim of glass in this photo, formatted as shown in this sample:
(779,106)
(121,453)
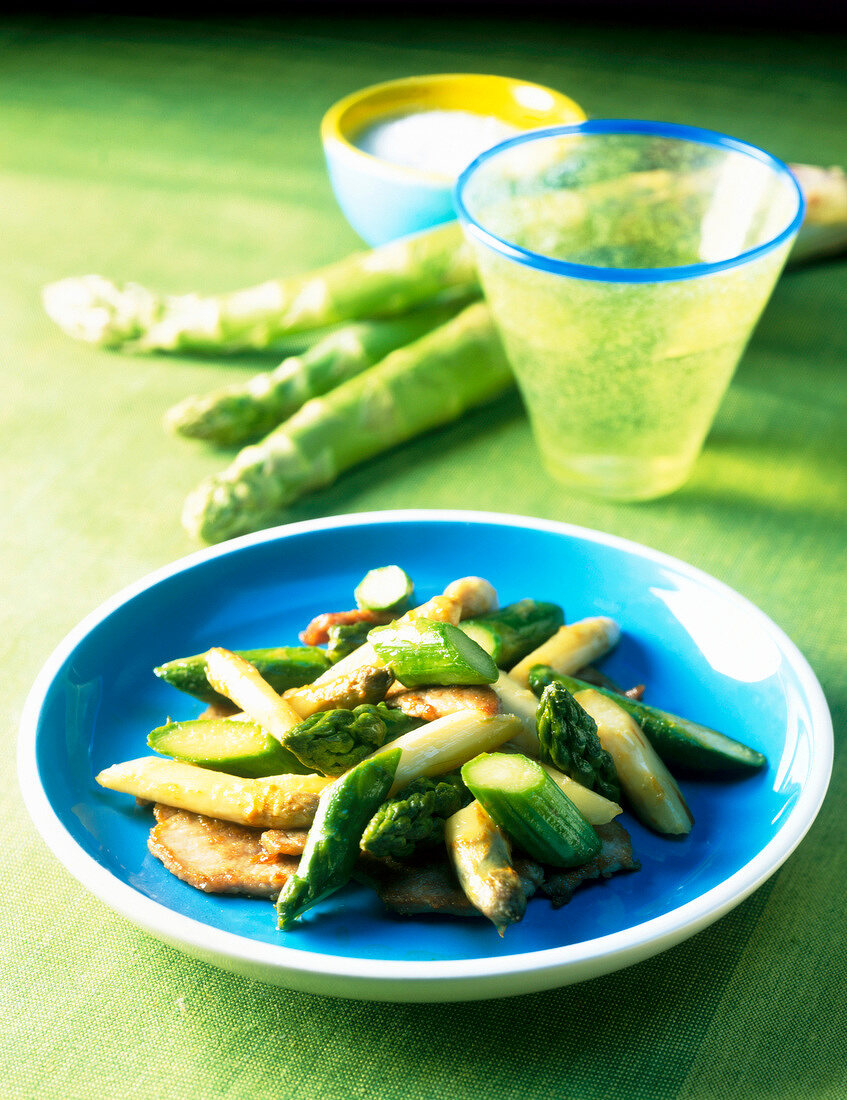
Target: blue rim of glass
(694,134)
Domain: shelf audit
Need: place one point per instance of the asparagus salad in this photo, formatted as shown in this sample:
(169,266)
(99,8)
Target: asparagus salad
(455,755)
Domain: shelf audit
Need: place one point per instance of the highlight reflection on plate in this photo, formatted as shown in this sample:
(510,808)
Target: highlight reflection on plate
(703,651)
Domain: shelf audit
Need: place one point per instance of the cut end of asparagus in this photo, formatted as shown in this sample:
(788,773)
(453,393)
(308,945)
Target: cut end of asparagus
(98,311)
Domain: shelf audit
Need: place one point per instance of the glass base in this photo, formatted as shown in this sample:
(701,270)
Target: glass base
(620,478)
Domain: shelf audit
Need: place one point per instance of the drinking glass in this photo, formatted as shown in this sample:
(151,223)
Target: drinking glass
(626,264)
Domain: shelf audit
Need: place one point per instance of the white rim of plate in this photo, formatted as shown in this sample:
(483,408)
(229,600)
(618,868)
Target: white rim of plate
(615,949)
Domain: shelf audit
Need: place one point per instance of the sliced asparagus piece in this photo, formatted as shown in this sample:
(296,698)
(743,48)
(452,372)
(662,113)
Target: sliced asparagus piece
(518,700)
(239,681)
(423,651)
(571,648)
(679,741)
(515,630)
(367,684)
(284,667)
(531,808)
(226,745)
(648,785)
(330,854)
(596,809)
(481,858)
(245,411)
(447,743)
(387,588)
(276,802)
(381,283)
(428,383)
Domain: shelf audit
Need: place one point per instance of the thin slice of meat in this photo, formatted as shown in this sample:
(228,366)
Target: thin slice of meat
(217,856)
(317,632)
(615,855)
(283,842)
(429,884)
(436,702)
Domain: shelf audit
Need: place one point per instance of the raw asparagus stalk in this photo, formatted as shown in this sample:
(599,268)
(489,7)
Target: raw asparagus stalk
(387,281)
(345,808)
(531,808)
(246,411)
(277,802)
(824,229)
(430,382)
(481,858)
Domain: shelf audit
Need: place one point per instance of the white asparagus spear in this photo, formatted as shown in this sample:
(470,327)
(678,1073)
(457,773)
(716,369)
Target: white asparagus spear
(276,802)
(571,648)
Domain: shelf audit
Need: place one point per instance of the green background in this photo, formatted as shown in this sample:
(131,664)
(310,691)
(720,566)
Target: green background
(187,156)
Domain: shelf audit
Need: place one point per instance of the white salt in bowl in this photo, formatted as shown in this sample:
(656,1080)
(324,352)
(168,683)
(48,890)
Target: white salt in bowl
(394,150)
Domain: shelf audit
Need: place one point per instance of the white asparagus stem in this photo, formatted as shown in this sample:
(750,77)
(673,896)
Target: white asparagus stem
(518,700)
(276,802)
(596,809)
(447,743)
(480,855)
(571,648)
(239,681)
(648,785)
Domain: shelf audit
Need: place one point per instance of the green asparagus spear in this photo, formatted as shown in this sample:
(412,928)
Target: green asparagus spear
(568,738)
(513,631)
(414,817)
(384,282)
(284,667)
(423,651)
(332,741)
(226,745)
(430,382)
(246,411)
(344,809)
(679,741)
(530,808)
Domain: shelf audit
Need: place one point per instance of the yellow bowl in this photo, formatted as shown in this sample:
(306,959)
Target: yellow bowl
(382,200)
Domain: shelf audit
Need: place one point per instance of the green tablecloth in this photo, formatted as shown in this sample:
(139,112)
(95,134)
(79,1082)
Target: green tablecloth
(188,157)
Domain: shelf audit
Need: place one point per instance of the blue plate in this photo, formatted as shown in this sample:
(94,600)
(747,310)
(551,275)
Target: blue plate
(702,649)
